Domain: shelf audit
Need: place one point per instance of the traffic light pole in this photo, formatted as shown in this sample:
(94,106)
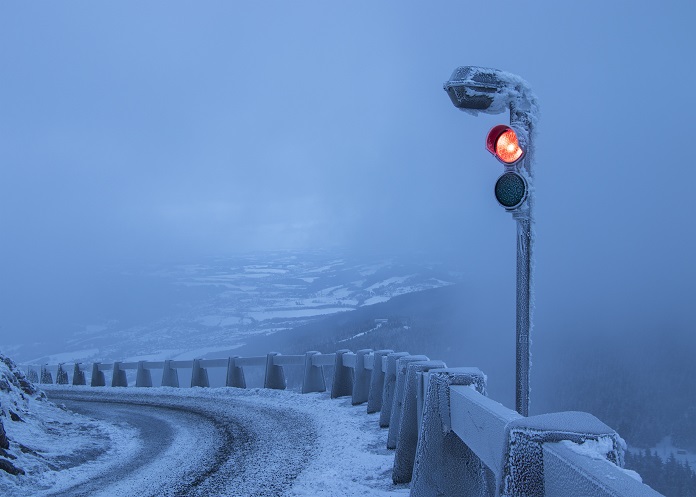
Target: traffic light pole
(524,313)
(476,89)
(524,215)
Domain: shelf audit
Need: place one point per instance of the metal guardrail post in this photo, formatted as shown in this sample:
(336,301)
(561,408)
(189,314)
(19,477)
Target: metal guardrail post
(444,466)
(170,376)
(399,393)
(46,376)
(389,387)
(61,376)
(78,375)
(342,385)
(523,460)
(275,377)
(407,438)
(118,378)
(313,378)
(235,374)
(98,377)
(361,378)
(199,375)
(374,398)
(143,378)
(32,375)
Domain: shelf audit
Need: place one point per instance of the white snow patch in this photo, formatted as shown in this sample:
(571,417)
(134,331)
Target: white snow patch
(296,313)
(598,449)
(376,300)
(394,280)
(75,356)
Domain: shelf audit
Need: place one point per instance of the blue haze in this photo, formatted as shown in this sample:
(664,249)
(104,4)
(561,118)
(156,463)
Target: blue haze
(136,133)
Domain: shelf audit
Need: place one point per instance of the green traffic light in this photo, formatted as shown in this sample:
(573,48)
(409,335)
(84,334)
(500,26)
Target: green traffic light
(511,190)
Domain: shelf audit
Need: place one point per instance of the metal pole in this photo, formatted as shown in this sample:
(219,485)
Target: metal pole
(523,318)
(479,89)
(525,241)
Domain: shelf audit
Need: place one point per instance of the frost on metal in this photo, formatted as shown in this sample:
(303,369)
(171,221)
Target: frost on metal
(407,439)
(444,464)
(523,463)
(399,396)
(389,387)
(481,89)
(476,89)
(585,469)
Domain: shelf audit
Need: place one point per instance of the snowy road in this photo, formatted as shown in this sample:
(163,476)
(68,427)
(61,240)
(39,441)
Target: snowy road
(218,442)
(188,447)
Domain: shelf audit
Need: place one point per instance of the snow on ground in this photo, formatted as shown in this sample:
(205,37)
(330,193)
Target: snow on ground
(394,280)
(350,454)
(225,302)
(44,440)
(665,448)
(72,356)
(363,333)
(376,300)
(297,313)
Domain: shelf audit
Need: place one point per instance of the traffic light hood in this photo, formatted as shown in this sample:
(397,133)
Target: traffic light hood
(476,89)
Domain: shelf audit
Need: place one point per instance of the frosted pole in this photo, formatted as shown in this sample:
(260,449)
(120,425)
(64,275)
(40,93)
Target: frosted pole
(478,89)
(523,315)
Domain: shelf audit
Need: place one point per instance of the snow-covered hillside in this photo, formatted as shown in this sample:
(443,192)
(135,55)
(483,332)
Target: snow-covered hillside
(194,310)
(38,440)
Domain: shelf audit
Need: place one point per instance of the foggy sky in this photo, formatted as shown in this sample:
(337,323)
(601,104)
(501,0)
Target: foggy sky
(154,131)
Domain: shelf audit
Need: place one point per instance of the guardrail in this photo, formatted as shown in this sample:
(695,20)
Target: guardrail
(449,438)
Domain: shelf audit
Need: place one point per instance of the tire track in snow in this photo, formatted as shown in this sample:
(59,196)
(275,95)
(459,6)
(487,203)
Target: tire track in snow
(246,449)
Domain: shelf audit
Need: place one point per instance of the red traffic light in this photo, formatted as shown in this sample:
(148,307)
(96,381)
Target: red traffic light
(503,143)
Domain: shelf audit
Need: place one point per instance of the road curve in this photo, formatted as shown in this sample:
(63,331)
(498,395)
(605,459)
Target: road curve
(193,446)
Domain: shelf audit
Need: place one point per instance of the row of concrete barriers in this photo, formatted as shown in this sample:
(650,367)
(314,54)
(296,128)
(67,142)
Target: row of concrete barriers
(449,437)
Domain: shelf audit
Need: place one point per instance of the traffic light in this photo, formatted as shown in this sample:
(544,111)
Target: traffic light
(503,143)
(511,188)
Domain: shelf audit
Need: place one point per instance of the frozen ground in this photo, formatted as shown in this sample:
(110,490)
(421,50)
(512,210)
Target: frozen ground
(165,442)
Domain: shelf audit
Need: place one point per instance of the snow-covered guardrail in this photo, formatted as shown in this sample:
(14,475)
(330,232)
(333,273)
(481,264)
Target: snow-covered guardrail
(449,438)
